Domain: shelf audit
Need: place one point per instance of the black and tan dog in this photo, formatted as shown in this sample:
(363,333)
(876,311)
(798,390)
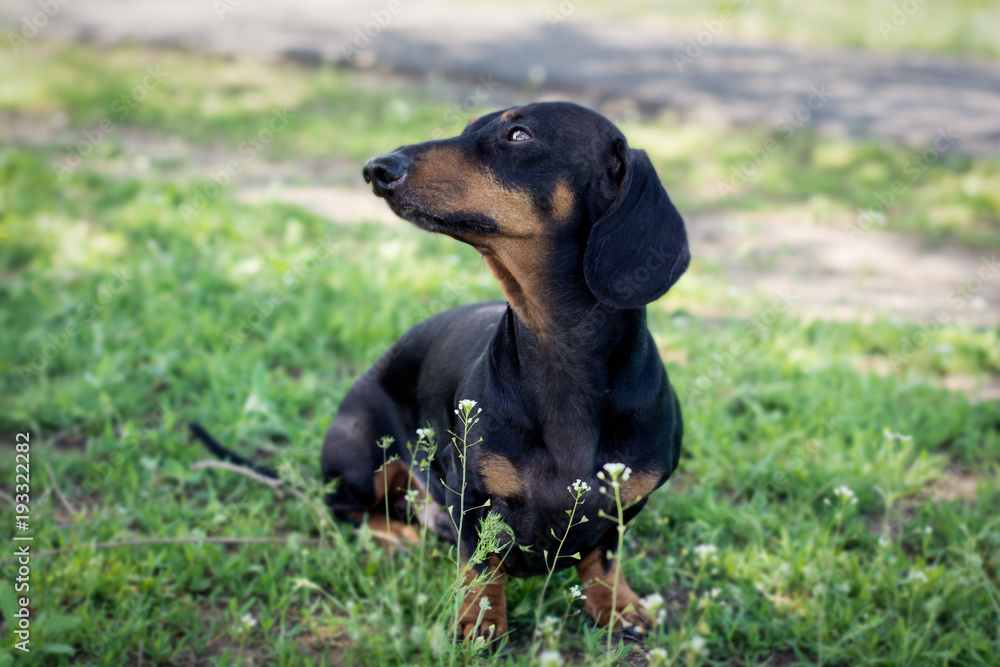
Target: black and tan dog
(580,234)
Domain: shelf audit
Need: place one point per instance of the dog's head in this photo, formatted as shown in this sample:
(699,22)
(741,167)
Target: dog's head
(547,192)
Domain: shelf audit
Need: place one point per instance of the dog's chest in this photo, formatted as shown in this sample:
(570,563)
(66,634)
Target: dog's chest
(556,521)
(537,504)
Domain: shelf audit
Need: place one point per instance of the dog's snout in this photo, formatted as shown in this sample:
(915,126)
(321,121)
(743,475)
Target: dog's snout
(385,172)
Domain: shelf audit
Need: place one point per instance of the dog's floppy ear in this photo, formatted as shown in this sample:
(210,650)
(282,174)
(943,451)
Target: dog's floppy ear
(639,247)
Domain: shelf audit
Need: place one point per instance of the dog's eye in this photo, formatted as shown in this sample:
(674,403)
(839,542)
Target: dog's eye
(517,134)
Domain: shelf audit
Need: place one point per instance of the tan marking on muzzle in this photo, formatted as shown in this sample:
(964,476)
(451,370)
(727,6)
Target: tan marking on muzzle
(447,183)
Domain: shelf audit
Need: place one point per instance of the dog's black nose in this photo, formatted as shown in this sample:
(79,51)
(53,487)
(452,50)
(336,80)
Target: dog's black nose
(385,172)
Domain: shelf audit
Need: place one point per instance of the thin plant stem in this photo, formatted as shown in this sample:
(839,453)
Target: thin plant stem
(616,562)
(577,489)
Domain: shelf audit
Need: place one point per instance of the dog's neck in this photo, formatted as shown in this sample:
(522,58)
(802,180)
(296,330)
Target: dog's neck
(576,360)
(567,373)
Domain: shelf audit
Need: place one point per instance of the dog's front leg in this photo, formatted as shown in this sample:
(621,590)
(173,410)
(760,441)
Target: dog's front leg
(486,598)
(610,600)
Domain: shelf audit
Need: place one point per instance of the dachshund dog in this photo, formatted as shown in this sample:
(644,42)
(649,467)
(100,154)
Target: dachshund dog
(581,236)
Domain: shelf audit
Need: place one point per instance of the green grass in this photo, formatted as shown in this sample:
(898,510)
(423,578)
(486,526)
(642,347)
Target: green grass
(122,321)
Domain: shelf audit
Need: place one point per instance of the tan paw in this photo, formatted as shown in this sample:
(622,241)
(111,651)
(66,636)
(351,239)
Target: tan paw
(492,626)
(629,614)
(486,598)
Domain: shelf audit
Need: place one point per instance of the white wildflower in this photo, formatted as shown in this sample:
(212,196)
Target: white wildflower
(915,575)
(657,657)
(411,496)
(550,659)
(546,628)
(843,492)
(653,602)
(696,644)
(574,590)
(706,552)
(425,433)
(884,541)
(579,487)
(614,469)
(247,621)
(547,623)
(466,404)
(896,436)
(484,603)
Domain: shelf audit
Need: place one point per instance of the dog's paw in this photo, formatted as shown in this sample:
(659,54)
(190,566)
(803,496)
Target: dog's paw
(629,618)
(484,610)
(635,622)
(492,625)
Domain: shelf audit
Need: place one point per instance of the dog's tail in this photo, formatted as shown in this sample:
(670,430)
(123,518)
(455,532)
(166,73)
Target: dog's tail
(228,455)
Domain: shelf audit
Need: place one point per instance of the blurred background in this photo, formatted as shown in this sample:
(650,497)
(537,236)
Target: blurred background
(185,234)
(801,120)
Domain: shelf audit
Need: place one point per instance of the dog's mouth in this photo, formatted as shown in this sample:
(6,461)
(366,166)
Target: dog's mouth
(454,224)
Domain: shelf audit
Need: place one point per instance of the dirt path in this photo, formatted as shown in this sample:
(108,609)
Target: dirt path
(900,98)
